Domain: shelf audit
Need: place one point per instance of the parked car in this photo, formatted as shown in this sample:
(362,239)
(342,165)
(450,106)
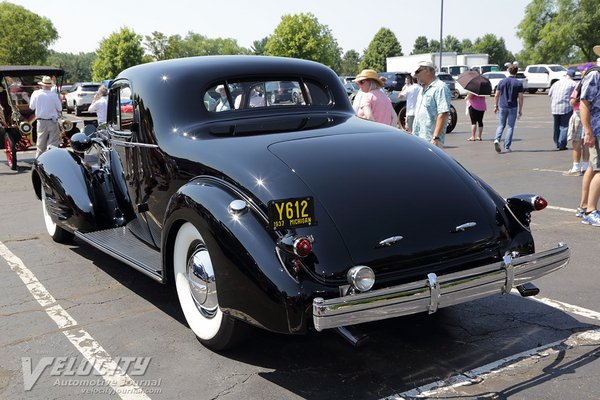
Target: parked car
(482,69)
(346,79)
(495,78)
(64,89)
(543,76)
(449,81)
(454,70)
(351,89)
(18,124)
(282,217)
(80,96)
(283,91)
(393,80)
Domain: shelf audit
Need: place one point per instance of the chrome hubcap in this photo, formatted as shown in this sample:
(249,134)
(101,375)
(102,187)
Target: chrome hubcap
(201,278)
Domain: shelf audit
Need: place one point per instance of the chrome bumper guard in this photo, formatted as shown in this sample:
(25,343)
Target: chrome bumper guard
(435,292)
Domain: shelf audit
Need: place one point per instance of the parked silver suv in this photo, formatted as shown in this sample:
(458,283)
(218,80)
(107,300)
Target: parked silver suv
(80,96)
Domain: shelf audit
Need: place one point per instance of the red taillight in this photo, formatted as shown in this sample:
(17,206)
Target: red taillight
(539,203)
(302,247)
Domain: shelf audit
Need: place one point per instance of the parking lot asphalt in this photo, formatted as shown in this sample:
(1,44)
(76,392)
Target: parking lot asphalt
(63,306)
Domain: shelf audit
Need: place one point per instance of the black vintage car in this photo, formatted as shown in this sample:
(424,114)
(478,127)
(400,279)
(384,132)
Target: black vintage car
(286,216)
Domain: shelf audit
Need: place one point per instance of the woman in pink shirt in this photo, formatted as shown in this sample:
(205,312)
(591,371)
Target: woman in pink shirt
(374,104)
(476,106)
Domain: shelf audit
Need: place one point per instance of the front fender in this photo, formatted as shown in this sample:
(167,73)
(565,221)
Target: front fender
(79,197)
(251,283)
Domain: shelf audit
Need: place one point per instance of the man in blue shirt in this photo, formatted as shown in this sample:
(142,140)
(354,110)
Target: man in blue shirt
(432,107)
(507,103)
(590,118)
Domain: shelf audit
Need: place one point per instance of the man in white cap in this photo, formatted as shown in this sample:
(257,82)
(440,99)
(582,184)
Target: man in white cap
(48,108)
(589,108)
(433,105)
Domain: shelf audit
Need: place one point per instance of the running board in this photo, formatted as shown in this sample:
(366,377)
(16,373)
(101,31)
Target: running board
(123,245)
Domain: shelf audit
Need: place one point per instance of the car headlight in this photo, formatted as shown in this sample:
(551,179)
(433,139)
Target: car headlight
(361,277)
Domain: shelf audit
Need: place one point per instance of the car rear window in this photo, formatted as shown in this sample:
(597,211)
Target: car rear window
(233,96)
(90,88)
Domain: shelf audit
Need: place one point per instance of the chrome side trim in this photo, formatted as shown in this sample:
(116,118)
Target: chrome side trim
(435,292)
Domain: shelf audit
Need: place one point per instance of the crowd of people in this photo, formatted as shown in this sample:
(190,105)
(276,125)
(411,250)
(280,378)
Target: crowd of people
(575,108)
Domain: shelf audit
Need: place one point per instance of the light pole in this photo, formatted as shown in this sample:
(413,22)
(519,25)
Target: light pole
(441,29)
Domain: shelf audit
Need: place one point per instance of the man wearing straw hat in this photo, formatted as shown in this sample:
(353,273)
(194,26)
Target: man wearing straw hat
(590,118)
(47,107)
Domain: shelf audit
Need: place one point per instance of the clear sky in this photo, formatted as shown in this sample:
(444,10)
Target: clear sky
(81,24)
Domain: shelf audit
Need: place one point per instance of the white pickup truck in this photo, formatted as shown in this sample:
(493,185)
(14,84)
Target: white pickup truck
(542,76)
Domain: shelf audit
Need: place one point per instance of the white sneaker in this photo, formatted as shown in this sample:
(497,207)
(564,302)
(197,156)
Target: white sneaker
(497,147)
(572,172)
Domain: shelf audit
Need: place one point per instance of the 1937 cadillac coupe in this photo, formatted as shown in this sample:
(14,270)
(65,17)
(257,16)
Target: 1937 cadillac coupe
(287,215)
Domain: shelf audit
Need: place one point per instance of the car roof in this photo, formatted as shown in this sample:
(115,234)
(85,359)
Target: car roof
(36,69)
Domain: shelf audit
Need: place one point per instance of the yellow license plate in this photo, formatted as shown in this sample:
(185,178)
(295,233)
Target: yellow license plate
(292,213)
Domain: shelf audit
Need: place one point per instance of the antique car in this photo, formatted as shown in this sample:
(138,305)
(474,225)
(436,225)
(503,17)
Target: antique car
(18,127)
(291,217)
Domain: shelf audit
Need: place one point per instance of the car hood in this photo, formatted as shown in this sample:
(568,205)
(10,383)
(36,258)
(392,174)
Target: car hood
(395,201)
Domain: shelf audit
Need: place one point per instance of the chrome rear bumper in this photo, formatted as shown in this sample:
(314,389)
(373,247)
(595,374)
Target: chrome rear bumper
(437,291)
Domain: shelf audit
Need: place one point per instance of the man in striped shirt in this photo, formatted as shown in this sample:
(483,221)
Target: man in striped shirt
(561,108)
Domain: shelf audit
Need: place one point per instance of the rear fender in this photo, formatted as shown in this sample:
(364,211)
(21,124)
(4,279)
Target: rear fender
(251,282)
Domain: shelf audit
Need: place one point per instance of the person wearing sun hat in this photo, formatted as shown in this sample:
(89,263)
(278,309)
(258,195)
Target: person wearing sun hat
(433,105)
(589,109)
(47,106)
(373,104)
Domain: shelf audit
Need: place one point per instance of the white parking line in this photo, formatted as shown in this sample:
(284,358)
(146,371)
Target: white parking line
(479,374)
(95,354)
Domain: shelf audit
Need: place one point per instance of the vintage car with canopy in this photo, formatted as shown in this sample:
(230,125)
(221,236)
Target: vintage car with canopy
(18,125)
(289,215)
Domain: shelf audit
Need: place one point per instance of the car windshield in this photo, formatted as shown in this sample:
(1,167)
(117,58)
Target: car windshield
(232,96)
(90,88)
(457,70)
(557,68)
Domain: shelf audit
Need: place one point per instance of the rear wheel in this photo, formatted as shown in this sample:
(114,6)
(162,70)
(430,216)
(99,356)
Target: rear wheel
(402,118)
(195,282)
(57,233)
(453,117)
(11,138)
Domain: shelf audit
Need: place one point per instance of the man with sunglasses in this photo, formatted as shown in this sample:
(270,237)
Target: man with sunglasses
(433,105)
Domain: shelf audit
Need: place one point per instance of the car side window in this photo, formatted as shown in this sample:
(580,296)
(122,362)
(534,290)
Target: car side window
(121,104)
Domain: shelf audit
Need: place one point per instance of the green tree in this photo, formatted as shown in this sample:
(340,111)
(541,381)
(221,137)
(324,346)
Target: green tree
(421,45)
(157,44)
(350,63)
(451,43)
(495,47)
(24,36)
(302,36)
(384,44)
(119,51)
(258,46)
(195,44)
(559,31)
(467,46)
(77,67)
